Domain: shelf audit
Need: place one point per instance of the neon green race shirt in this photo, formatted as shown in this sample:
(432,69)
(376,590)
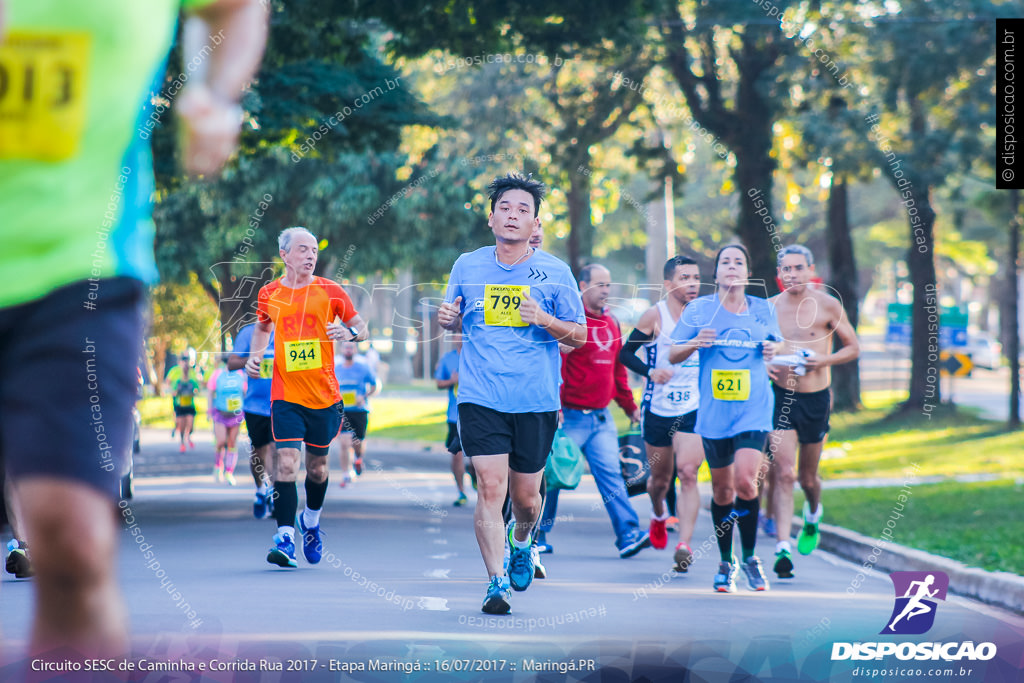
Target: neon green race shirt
(76,177)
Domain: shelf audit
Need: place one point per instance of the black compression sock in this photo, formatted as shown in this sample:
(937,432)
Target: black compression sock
(747,511)
(286,502)
(315,493)
(722,516)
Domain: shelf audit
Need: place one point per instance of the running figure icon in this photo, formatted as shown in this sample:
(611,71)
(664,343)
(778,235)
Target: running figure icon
(915,606)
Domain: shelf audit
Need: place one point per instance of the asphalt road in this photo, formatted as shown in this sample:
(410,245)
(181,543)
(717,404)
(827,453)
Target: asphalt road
(401,585)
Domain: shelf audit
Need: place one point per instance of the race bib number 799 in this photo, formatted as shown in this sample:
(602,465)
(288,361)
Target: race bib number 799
(501,304)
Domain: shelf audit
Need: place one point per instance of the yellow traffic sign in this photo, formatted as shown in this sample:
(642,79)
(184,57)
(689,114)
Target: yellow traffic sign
(955,364)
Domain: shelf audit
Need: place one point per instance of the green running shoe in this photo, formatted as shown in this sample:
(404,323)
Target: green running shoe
(809,534)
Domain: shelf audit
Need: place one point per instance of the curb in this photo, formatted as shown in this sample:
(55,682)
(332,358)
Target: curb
(1001,589)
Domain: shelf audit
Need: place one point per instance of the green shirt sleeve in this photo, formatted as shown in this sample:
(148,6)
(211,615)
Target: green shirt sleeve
(190,5)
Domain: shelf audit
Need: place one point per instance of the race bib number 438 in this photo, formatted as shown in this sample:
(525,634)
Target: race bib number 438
(42,94)
(730,385)
(501,304)
(302,355)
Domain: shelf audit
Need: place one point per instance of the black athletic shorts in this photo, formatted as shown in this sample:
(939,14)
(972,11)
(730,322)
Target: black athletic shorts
(355,421)
(68,379)
(526,437)
(722,452)
(293,424)
(807,413)
(658,430)
(258,426)
(452,442)
(181,411)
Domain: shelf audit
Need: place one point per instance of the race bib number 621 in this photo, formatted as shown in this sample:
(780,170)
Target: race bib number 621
(730,385)
(42,94)
(501,304)
(302,355)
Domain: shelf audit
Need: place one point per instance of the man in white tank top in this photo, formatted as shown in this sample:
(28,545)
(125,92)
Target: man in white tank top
(669,408)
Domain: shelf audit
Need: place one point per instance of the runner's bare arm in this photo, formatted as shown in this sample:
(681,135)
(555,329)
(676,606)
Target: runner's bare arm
(847,335)
(680,352)
(449,314)
(565,331)
(260,341)
(208,104)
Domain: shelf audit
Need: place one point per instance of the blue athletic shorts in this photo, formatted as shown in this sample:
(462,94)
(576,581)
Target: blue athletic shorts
(68,379)
(294,424)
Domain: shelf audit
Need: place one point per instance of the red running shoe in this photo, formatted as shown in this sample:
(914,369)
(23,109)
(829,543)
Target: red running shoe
(659,534)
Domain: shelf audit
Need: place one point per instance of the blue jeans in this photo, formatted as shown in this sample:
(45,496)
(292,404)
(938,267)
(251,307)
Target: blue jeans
(595,434)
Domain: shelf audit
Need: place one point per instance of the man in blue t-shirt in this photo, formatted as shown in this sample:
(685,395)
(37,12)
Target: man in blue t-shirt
(735,334)
(447,376)
(357,383)
(256,407)
(514,305)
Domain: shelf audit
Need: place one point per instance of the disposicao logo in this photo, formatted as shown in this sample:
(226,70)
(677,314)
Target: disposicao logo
(916,595)
(913,614)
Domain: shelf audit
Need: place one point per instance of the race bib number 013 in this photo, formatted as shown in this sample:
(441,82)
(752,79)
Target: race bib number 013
(302,355)
(42,94)
(730,385)
(501,304)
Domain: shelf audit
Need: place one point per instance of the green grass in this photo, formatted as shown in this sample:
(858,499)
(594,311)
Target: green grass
(870,443)
(968,522)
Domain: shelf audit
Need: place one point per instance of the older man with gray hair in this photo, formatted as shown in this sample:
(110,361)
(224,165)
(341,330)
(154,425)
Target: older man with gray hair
(808,318)
(303,310)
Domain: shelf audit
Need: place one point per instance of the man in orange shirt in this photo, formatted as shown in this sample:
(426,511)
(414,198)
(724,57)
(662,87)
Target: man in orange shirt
(305,402)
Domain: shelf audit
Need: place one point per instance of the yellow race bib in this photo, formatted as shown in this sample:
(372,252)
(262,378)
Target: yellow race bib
(501,304)
(234,404)
(42,94)
(185,401)
(730,385)
(267,368)
(348,398)
(302,355)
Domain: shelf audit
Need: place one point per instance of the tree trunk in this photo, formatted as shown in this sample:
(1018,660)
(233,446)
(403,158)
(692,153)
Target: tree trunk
(924,363)
(159,364)
(581,233)
(843,281)
(756,226)
(1013,345)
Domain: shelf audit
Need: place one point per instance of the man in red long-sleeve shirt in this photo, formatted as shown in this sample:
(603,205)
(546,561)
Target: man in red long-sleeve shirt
(592,376)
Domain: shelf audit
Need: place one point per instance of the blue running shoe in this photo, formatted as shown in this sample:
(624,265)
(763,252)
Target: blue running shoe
(261,505)
(725,579)
(770,529)
(520,565)
(312,546)
(498,595)
(283,552)
(634,543)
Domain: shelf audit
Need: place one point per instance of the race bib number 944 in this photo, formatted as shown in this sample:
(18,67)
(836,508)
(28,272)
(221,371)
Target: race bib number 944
(302,355)
(730,385)
(501,304)
(42,94)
